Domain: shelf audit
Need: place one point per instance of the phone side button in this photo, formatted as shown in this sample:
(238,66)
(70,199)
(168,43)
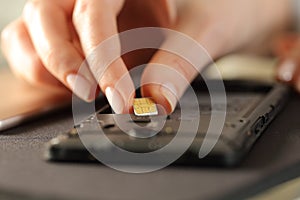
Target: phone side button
(258,125)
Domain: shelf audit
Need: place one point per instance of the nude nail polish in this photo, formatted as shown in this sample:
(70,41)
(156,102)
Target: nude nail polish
(286,71)
(115,100)
(169,91)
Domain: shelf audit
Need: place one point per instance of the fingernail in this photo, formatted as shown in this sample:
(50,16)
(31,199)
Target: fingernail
(115,100)
(286,71)
(169,91)
(80,86)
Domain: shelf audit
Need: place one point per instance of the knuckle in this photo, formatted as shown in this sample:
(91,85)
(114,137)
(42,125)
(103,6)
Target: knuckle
(81,8)
(34,7)
(9,31)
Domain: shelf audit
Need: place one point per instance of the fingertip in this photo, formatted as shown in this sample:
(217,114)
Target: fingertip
(118,100)
(127,99)
(169,92)
(115,100)
(286,71)
(163,95)
(129,103)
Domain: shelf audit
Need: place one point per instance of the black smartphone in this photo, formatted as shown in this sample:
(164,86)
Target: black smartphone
(251,106)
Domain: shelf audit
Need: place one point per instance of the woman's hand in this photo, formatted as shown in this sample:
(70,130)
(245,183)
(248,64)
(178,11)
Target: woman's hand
(48,44)
(221,27)
(55,36)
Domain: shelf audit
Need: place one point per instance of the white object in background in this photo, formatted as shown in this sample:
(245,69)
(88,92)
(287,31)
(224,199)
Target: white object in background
(245,67)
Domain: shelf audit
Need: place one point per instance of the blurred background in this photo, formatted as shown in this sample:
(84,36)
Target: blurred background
(9,10)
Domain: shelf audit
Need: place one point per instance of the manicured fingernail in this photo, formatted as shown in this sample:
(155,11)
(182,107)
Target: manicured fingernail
(169,91)
(80,86)
(115,100)
(286,71)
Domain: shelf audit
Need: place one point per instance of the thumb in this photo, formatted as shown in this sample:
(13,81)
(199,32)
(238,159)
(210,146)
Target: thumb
(179,60)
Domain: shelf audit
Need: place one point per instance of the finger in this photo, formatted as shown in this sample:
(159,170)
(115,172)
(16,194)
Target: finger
(174,66)
(166,78)
(165,12)
(95,21)
(185,52)
(289,66)
(22,58)
(52,39)
(284,43)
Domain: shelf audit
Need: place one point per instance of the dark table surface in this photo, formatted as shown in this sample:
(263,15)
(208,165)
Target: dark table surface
(23,170)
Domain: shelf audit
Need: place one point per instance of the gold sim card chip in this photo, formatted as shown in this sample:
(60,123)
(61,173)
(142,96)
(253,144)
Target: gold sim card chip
(144,107)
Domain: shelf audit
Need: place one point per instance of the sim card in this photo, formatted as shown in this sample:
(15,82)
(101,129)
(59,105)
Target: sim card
(144,107)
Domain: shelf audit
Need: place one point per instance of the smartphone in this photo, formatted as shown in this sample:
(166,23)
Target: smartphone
(21,102)
(251,107)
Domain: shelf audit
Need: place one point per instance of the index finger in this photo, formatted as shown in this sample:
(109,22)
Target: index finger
(96,21)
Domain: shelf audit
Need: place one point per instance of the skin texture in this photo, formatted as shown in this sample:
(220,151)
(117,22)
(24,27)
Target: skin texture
(50,48)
